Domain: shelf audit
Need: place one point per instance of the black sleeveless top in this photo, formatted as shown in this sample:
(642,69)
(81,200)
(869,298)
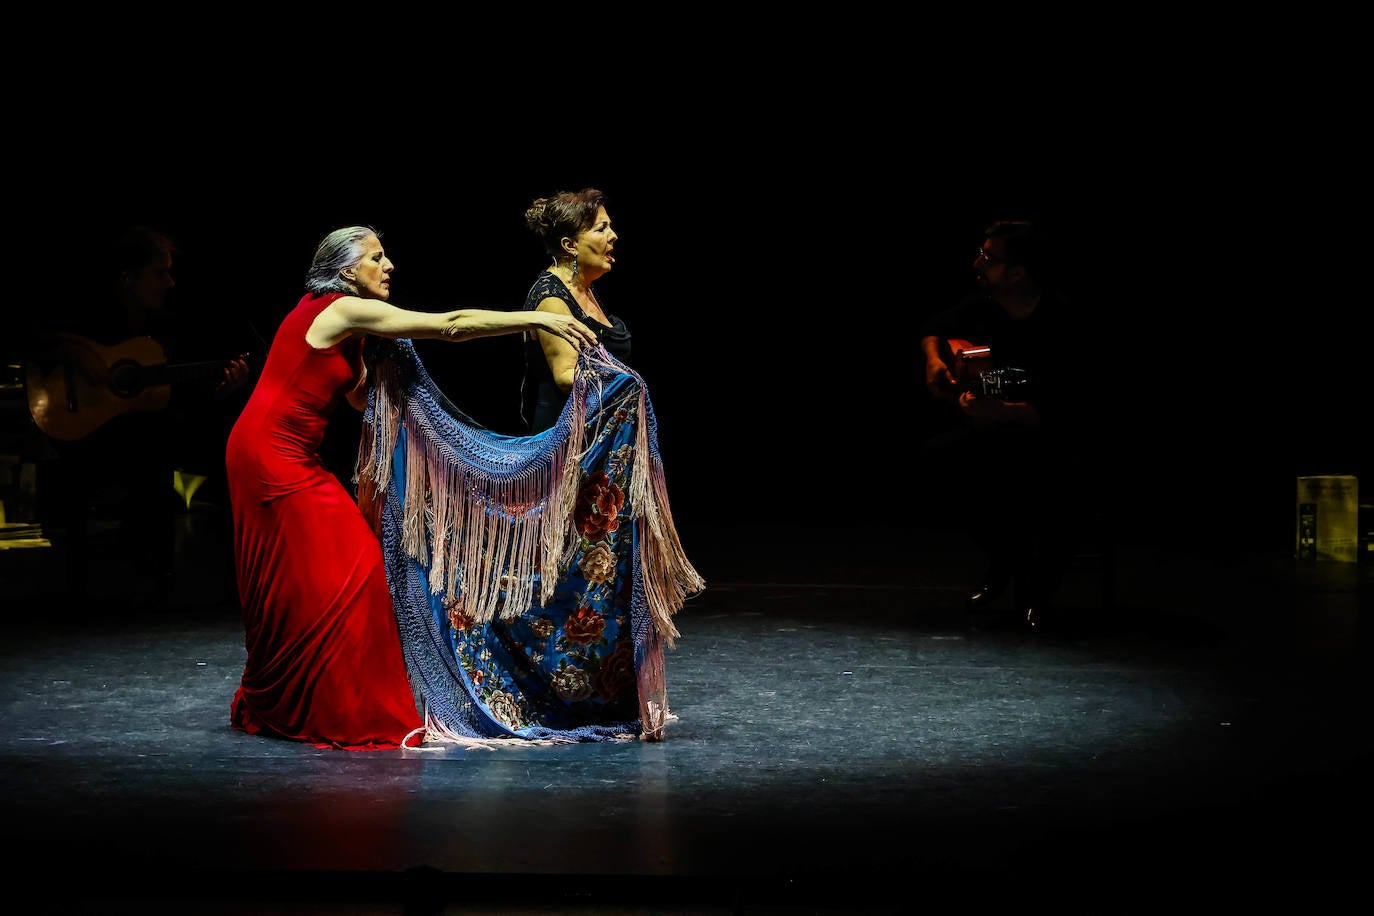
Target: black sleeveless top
(541,401)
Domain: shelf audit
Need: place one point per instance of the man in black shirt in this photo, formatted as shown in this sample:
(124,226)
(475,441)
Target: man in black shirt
(1006,448)
(129,401)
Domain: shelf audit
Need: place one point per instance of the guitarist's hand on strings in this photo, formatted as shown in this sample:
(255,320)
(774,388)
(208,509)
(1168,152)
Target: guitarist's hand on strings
(236,373)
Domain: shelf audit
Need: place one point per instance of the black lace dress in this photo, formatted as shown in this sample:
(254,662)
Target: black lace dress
(541,401)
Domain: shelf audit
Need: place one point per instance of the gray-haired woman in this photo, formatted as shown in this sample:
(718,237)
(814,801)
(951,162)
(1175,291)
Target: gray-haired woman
(324,661)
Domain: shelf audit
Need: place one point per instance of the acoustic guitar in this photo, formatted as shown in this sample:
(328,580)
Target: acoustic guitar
(974,370)
(79,385)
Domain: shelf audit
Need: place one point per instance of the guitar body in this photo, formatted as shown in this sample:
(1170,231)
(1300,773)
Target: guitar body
(79,385)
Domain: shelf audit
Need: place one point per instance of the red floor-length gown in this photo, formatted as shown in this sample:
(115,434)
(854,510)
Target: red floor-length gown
(324,654)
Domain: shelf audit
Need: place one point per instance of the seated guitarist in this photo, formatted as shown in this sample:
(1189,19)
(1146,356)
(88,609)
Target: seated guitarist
(1005,458)
(116,454)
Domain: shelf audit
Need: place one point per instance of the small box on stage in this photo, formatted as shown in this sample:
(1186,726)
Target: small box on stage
(1328,516)
(1367,530)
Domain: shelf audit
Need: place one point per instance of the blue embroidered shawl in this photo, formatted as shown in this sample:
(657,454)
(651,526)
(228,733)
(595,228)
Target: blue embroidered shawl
(534,578)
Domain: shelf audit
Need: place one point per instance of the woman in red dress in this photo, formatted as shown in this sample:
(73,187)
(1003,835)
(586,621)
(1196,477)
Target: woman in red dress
(324,659)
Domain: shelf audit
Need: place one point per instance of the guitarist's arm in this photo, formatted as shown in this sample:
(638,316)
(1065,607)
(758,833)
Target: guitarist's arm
(940,381)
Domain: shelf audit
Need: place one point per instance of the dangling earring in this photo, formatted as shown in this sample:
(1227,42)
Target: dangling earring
(574,265)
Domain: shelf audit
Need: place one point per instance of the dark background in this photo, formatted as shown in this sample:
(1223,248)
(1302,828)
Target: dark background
(784,229)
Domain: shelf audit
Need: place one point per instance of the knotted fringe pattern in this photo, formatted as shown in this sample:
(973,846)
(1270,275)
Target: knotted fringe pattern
(559,535)
(372,468)
(652,685)
(483,534)
(485,531)
(488,534)
(439,735)
(669,577)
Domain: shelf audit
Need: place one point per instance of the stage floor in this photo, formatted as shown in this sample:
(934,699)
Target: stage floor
(848,741)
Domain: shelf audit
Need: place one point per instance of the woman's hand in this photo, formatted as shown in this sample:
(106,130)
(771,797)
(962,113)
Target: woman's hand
(567,327)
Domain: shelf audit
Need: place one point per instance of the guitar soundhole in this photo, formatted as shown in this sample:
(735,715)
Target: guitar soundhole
(126,378)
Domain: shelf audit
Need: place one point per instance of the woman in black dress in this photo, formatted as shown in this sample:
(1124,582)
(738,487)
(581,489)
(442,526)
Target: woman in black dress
(576,232)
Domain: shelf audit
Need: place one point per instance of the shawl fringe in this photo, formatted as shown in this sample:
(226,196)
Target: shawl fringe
(488,524)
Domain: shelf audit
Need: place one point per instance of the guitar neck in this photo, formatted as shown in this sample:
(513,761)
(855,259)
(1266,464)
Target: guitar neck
(177,373)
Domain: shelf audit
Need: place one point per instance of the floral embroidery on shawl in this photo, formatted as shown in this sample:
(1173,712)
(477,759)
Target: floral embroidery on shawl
(534,578)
